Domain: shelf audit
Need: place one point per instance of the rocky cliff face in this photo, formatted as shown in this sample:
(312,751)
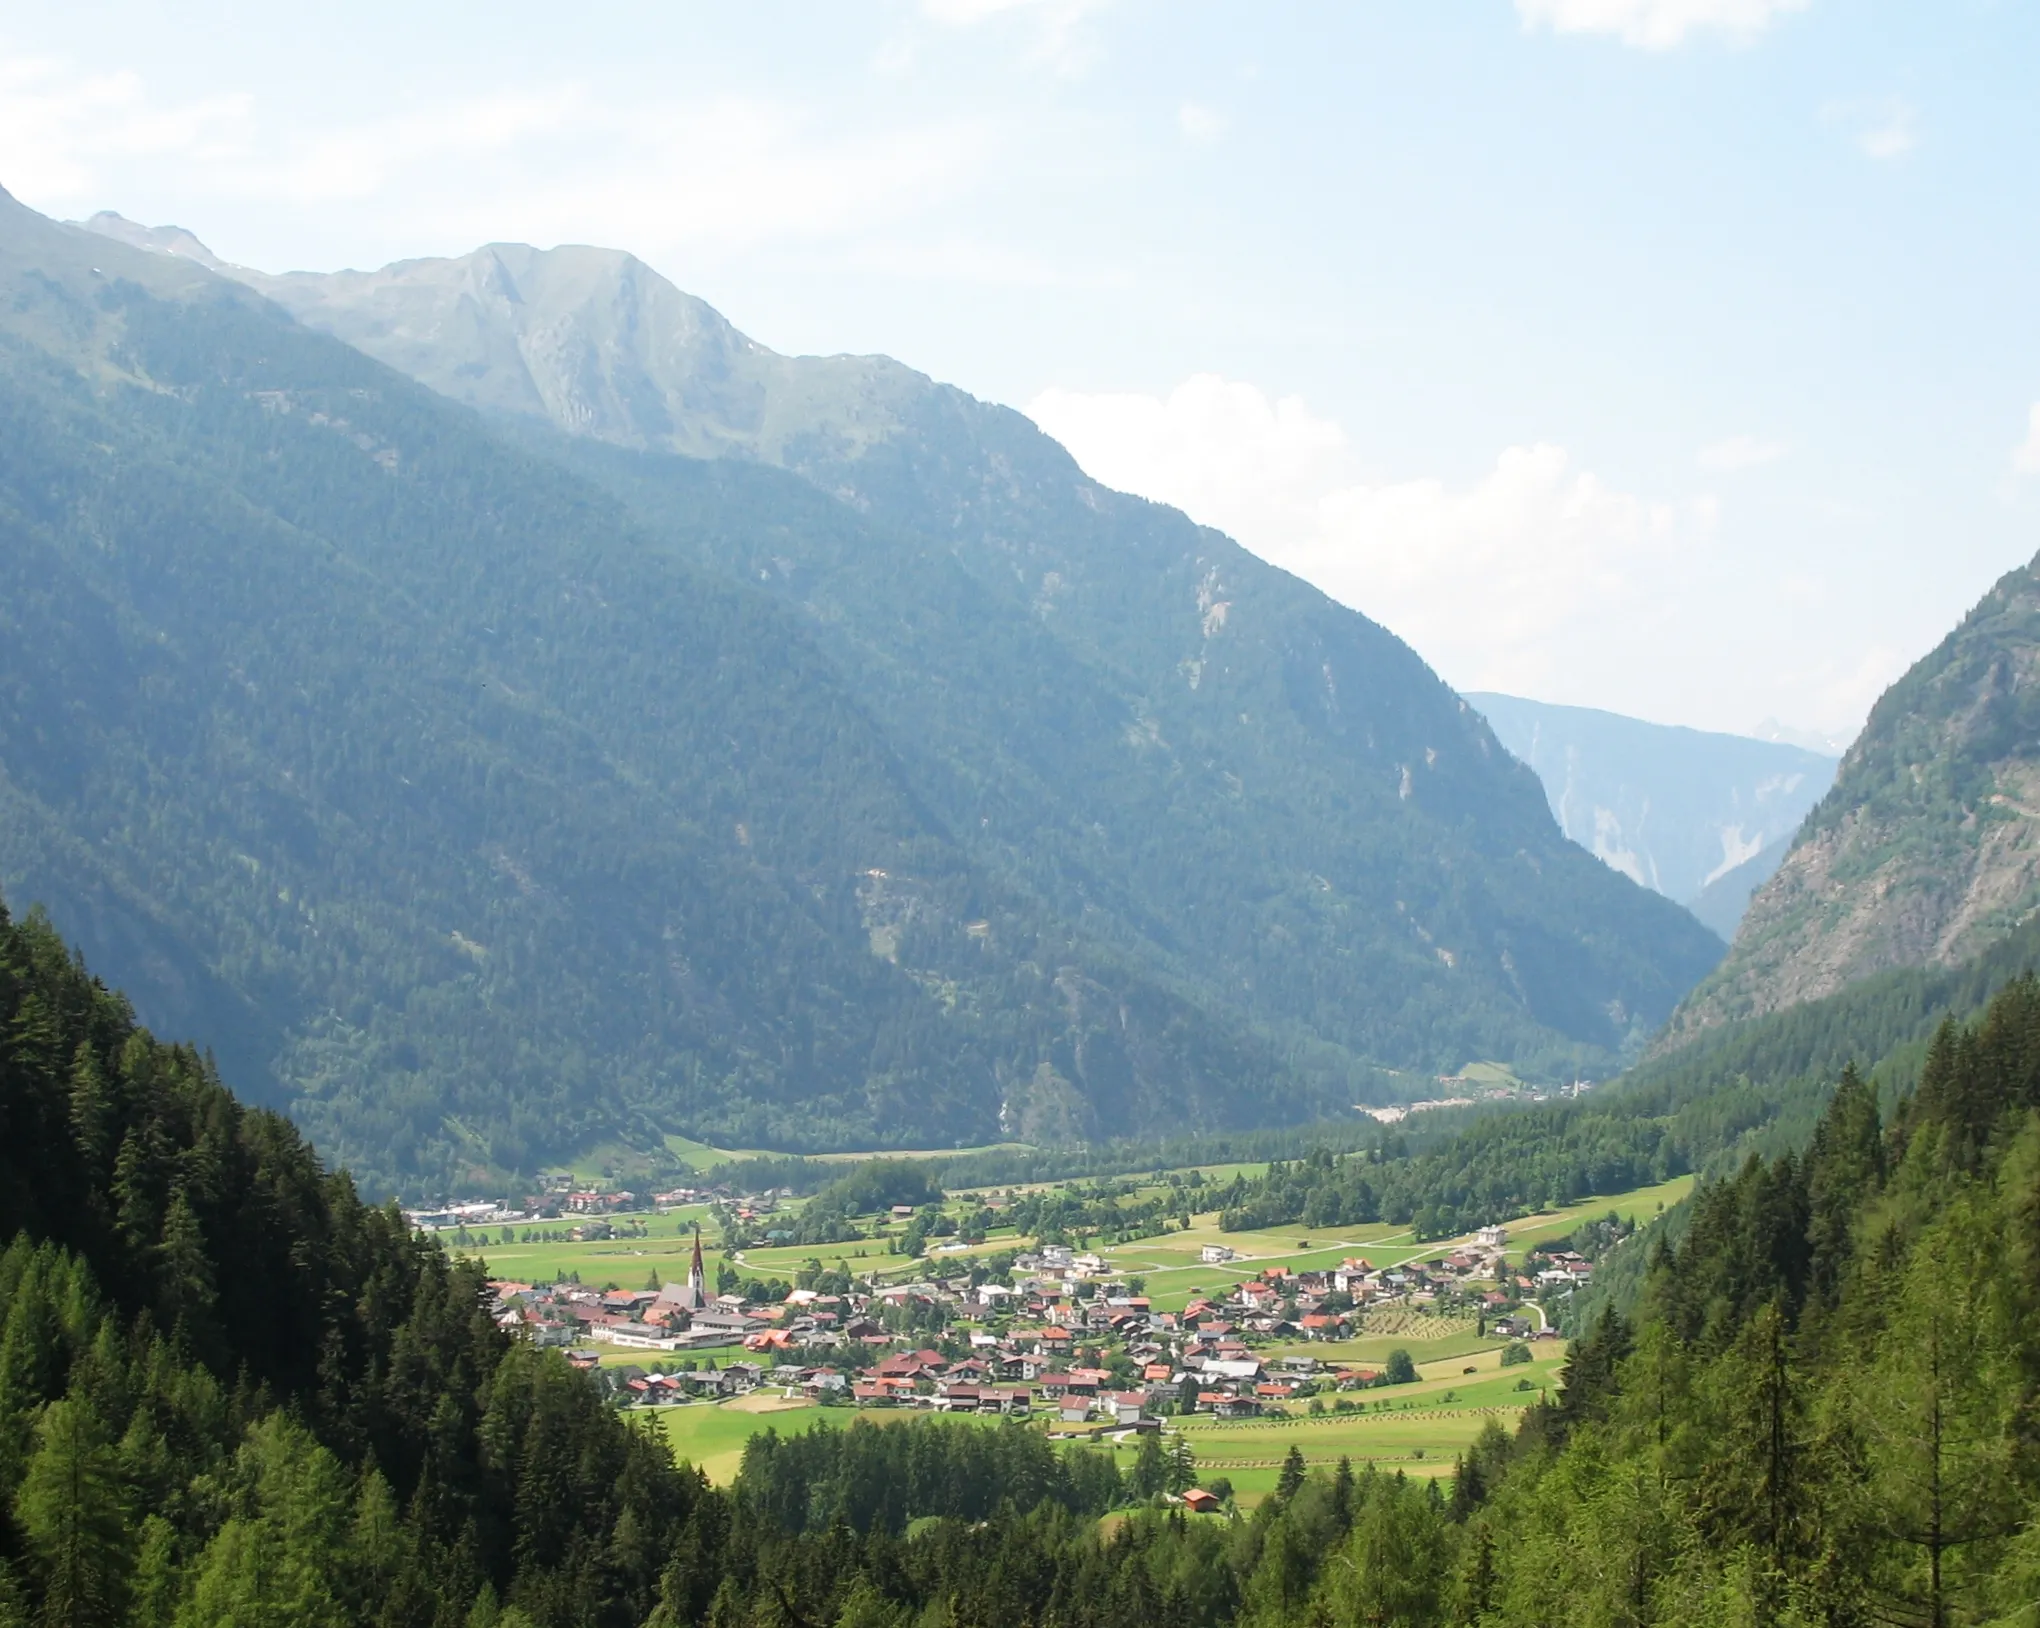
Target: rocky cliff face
(1927,850)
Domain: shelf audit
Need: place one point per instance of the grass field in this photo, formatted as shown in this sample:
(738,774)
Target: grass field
(1414,1428)
(1640,1206)
(628,1263)
(1417,1428)
(866,1255)
(712,1435)
(1175,1276)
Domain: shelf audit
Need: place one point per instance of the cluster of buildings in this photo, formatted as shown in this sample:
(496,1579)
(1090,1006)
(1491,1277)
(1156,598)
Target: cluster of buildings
(677,1317)
(1058,1338)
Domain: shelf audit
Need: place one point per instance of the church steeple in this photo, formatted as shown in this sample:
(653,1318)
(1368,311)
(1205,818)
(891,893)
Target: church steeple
(697,1279)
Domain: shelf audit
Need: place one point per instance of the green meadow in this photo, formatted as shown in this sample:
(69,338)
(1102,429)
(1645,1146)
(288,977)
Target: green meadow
(625,1263)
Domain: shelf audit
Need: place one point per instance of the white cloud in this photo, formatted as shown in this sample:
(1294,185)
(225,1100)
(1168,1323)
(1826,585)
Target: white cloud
(550,163)
(1656,25)
(1893,132)
(1882,129)
(2026,455)
(1061,40)
(1200,124)
(362,161)
(1740,452)
(58,125)
(1528,578)
(731,171)
(983,262)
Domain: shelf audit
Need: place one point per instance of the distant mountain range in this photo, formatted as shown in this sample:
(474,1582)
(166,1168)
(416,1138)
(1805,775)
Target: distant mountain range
(1926,851)
(1700,817)
(491,788)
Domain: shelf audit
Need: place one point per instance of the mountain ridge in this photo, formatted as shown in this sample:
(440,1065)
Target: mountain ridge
(1675,809)
(1927,848)
(518,789)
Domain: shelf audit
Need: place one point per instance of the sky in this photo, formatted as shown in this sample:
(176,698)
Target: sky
(1676,357)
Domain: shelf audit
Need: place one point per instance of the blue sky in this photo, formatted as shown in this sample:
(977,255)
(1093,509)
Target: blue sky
(1679,357)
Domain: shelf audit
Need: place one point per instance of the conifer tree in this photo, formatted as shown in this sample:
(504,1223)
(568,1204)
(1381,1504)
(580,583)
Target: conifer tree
(1291,1480)
(72,1509)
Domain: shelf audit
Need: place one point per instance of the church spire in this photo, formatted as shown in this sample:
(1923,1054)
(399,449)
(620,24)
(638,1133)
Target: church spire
(697,1281)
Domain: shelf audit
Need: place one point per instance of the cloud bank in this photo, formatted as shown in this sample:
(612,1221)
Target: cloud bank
(1532,577)
(1656,25)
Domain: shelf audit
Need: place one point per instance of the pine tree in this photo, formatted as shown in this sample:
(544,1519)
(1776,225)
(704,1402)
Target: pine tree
(94,1107)
(1936,1409)
(1150,1473)
(1844,1167)
(1291,1480)
(72,1508)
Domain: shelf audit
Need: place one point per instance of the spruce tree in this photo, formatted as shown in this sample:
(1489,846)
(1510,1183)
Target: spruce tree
(72,1509)
(1291,1480)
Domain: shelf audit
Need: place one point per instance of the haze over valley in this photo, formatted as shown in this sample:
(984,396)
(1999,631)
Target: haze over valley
(946,814)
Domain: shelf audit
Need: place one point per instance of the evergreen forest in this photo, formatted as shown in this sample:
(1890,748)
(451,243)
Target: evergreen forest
(231,1391)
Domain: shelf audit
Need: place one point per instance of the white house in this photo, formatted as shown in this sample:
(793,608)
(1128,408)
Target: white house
(1216,1254)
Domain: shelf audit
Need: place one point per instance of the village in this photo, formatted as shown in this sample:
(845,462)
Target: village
(1055,1335)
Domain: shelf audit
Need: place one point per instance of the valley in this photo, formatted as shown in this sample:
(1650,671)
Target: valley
(648,981)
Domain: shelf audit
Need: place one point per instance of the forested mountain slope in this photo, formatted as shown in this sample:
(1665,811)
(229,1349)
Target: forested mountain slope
(496,827)
(1143,720)
(484,808)
(1927,848)
(1755,1087)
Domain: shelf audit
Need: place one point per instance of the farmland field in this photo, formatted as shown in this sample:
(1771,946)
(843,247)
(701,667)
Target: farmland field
(1416,1428)
(628,1263)
(711,1435)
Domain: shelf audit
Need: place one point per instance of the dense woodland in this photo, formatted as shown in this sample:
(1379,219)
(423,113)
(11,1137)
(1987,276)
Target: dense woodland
(1756,1086)
(232,1392)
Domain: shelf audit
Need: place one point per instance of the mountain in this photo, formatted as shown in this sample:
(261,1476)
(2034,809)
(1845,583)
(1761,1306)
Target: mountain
(494,794)
(1679,810)
(1722,903)
(1927,848)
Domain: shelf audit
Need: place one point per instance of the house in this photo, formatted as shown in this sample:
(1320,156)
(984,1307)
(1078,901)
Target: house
(1123,1407)
(1239,1368)
(1216,1255)
(1200,1502)
(1491,1237)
